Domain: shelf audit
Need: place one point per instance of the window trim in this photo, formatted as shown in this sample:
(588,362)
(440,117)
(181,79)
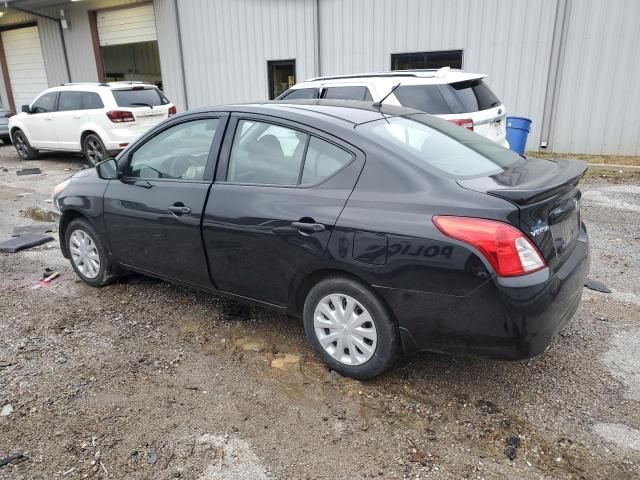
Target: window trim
(212,158)
(225,154)
(425,52)
(275,63)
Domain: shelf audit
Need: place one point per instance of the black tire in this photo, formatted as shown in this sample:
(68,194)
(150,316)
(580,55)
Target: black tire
(105,273)
(23,147)
(387,347)
(93,149)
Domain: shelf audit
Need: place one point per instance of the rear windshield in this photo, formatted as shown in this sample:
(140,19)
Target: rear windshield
(460,97)
(440,146)
(139,97)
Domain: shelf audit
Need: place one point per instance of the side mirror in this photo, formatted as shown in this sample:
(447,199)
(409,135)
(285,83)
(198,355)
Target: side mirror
(107,169)
(26,109)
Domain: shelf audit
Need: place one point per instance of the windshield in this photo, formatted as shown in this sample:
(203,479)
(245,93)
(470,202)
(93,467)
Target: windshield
(440,146)
(139,97)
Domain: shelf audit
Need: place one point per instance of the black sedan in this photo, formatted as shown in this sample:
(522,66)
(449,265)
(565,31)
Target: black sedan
(387,230)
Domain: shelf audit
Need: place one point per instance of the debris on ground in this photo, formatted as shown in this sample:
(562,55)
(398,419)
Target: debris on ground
(29,171)
(6,410)
(596,286)
(11,458)
(285,361)
(251,344)
(22,242)
(153,456)
(40,215)
(36,229)
(513,442)
(487,407)
(47,277)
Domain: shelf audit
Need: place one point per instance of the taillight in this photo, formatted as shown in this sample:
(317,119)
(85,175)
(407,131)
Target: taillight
(172,110)
(506,248)
(463,122)
(120,116)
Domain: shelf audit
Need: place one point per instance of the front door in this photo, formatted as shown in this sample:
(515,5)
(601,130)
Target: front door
(39,123)
(277,196)
(152,214)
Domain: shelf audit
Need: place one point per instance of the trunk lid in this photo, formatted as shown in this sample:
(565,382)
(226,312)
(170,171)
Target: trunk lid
(547,196)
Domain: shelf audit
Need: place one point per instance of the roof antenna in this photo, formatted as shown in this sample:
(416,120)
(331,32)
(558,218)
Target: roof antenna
(378,104)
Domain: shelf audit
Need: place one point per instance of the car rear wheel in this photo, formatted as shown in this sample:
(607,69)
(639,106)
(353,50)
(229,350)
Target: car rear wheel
(87,254)
(93,149)
(350,328)
(23,147)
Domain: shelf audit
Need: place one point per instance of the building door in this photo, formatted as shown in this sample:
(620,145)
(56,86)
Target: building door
(282,76)
(128,45)
(25,64)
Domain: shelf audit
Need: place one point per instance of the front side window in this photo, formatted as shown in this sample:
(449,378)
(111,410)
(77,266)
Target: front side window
(178,153)
(70,101)
(348,93)
(441,146)
(266,154)
(46,103)
(300,94)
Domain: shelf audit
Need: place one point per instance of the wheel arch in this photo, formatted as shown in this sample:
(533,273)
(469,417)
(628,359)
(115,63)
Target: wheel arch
(65,219)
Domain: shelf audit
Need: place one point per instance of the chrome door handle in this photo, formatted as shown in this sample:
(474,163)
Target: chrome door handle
(179,209)
(308,227)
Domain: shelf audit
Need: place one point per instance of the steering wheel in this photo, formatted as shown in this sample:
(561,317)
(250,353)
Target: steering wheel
(175,167)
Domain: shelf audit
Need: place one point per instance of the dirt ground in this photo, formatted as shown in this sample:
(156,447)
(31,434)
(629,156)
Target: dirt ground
(145,380)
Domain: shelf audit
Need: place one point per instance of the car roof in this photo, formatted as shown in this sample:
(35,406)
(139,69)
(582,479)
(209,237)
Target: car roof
(345,112)
(413,77)
(99,87)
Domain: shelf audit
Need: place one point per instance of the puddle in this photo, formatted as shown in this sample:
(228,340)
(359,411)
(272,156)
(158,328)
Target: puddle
(619,434)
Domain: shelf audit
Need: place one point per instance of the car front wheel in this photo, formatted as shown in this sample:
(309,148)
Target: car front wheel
(87,254)
(350,328)
(94,150)
(23,147)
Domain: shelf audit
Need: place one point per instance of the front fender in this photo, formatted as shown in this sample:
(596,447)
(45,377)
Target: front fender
(16,122)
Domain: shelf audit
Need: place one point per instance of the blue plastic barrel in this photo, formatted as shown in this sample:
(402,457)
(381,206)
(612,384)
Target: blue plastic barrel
(517,132)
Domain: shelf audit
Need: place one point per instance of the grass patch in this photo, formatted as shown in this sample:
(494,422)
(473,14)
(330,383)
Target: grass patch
(605,159)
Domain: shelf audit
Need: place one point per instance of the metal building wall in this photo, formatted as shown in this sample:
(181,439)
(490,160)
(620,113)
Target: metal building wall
(226,45)
(598,101)
(508,40)
(169,49)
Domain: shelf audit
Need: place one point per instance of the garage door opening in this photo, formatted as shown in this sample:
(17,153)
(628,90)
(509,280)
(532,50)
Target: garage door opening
(127,45)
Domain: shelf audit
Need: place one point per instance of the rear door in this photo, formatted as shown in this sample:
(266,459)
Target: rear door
(68,120)
(152,213)
(279,190)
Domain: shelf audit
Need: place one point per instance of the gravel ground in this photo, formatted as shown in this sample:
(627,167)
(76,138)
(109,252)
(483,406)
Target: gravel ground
(142,379)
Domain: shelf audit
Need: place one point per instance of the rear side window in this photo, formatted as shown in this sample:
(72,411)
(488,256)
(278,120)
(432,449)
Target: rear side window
(91,101)
(70,101)
(440,146)
(426,98)
(46,103)
(323,160)
(348,93)
(139,97)
(300,94)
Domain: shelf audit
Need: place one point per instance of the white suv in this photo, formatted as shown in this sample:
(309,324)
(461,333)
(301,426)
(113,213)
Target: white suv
(460,97)
(96,119)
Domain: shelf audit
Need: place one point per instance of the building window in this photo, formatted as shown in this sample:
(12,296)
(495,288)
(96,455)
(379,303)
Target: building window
(421,60)
(282,76)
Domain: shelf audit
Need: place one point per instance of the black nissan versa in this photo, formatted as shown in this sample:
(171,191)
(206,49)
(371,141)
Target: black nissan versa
(387,230)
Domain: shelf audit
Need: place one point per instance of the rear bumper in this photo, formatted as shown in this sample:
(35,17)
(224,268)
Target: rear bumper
(120,138)
(4,130)
(505,318)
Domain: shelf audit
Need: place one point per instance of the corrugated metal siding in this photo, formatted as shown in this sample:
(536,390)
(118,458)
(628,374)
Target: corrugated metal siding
(169,49)
(598,101)
(509,41)
(227,43)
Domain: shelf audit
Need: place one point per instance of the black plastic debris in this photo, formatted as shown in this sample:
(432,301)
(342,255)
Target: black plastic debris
(29,171)
(25,241)
(11,458)
(513,442)
(596,285)
(37,229)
